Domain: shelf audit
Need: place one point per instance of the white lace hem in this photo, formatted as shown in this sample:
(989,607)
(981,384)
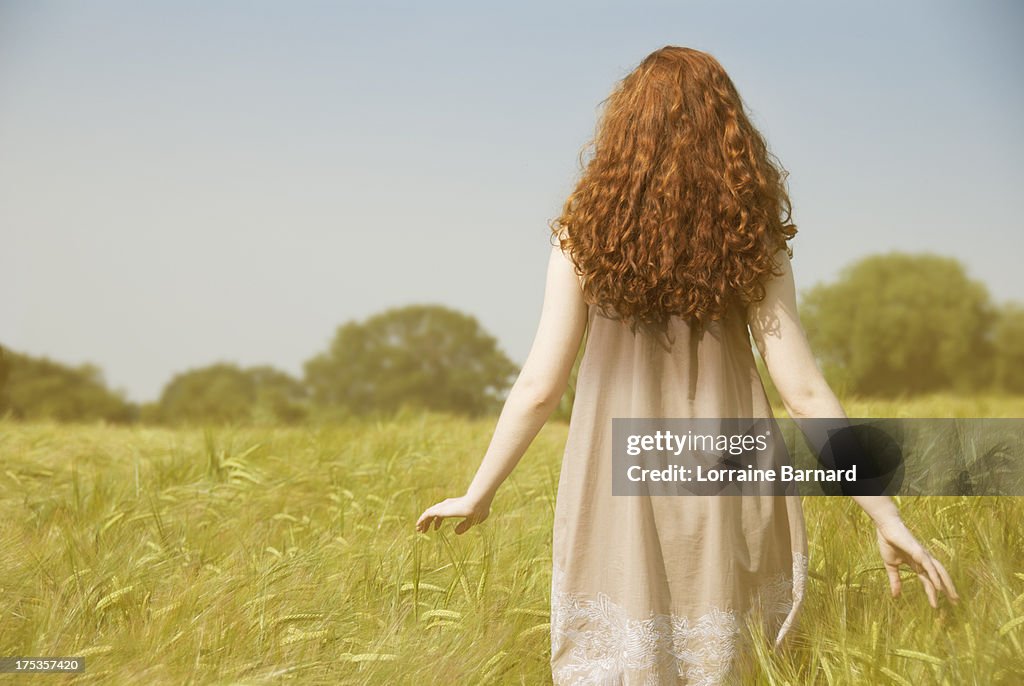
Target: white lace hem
(598,644)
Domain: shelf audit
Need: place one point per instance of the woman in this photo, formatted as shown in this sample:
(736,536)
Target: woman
(672,251)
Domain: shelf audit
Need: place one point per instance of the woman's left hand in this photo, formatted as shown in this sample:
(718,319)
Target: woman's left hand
(898,546)
(472,510)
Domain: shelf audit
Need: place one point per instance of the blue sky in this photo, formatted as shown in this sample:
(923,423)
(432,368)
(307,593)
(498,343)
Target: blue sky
(190,182)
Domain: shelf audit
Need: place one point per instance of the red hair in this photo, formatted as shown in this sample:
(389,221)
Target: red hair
(681,207)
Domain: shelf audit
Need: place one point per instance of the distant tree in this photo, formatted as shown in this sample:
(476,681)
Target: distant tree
(5,371)
(900,323)
(39,388)
(149,413)
(279,396)
(423,356)
(1008,341)
(225,392)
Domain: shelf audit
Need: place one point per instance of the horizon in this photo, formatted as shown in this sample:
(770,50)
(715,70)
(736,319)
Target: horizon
(189,185)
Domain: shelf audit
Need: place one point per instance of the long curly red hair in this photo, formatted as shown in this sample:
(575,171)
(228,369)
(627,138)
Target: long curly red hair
(681,208)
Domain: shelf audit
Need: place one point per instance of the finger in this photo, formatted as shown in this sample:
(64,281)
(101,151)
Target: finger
(947,581)
(438,519)
(933,574)
(425,519)
(928,588)
(419,522)
(895,585)
(936,576)
(432,521)
(463,526)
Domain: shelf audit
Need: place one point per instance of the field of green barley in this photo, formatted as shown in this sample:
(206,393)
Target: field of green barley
(264,555)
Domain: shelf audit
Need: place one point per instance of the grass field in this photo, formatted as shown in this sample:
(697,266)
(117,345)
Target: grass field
(266,555)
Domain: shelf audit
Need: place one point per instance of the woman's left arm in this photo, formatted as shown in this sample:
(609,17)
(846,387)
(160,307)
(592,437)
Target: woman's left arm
(531,400)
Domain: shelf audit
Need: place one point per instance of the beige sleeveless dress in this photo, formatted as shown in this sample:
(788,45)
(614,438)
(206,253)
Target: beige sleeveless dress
(662,590)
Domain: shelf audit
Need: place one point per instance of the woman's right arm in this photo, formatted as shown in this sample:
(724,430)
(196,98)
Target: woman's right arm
(779,336)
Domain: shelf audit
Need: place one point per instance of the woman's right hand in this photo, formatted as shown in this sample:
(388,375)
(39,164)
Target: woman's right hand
(898,546)
(472,510)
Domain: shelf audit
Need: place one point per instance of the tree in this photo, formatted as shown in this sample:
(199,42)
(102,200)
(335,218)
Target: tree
(5,371)
(39,388)
(900,323)
(1008,341)
(423,356)
(225,392)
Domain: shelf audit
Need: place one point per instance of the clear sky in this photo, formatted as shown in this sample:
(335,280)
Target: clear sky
(189,182)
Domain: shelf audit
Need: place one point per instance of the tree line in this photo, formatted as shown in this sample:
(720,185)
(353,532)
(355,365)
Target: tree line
(420,356)
(890,325)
